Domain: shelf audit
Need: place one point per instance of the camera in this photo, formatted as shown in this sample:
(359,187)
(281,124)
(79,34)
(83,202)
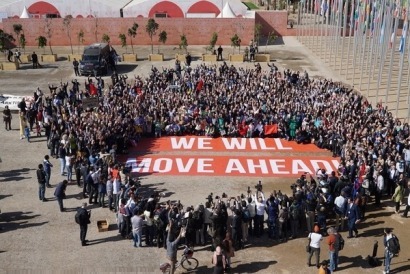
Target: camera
(210,198)
(259,186)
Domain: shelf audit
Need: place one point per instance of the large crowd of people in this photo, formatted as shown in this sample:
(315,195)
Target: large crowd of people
(211,100)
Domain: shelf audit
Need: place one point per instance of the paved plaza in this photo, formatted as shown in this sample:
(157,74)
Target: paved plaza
(37,237)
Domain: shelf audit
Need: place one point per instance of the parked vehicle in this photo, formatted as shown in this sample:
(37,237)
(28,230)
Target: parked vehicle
(95,60)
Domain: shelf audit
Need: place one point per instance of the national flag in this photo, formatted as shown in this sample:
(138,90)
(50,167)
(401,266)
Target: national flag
(270,129)
(317,6)
(393,35)
(93,90)
(403,37)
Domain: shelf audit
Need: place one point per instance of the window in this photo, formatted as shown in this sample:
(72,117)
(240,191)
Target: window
(161,15)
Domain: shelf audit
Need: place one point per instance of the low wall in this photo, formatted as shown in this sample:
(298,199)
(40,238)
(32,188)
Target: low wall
(197,30)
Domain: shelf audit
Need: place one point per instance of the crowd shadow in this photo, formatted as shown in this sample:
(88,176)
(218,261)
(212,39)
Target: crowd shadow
(376,232)
(401,269)
(114,238)
(253,267)
(125,68)
(18,220)
(350,262)
(14,175)
(5,196)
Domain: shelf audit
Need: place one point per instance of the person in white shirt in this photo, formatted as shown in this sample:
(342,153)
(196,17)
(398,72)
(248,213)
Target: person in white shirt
(379,188)
(314,243)
(340,210)
(116,188)
(252,213)
(260,212)
(69,166)
(406,154)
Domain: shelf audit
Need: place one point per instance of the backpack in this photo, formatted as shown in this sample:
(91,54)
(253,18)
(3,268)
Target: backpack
(393,245)
(246,215)
(295,212)
(77,216)
(339,243)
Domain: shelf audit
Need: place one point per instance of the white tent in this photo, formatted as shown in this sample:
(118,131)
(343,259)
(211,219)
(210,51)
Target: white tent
(227,12)
(25,13)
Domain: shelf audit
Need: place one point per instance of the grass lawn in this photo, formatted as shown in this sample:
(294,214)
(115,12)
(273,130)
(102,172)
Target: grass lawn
(251,6)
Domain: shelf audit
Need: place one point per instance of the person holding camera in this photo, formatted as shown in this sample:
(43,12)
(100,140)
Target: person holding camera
(83,219)
(260,212)
(172,245)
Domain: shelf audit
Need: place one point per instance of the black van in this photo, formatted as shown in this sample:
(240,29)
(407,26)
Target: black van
(95,60)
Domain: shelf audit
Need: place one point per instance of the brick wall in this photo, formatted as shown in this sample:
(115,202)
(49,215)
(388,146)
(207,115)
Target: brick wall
(276,21)
(197,30)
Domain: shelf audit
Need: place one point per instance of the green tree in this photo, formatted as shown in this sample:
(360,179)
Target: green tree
(235,42)
(151,28)
(5,39)
(269,39)
(123,39)
(105,38)
(49,32)
(17,28)
(132,32)
(162,38)
(213,41)
(80,39)
(258,30)
(23,42)
(42,42)
(67,27)
(183,44)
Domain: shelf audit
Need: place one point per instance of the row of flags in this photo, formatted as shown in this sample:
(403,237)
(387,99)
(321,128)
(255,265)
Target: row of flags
(374,26)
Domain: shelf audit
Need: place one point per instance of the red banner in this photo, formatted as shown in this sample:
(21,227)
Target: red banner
(195,143)
(230,166)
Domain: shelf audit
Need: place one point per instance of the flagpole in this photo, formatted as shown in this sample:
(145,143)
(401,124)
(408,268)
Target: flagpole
(346,9)
(364,42)
(399,83)
(396,24)
(350,36)
(402,52)
(370,59)
(337,31)
(386,24)
(376,58)
(357,36)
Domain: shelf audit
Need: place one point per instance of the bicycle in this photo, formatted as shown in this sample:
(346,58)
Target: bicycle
(187,262)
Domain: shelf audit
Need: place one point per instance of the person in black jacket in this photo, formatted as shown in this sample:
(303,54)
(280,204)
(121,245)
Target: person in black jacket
(83,219)
(60,194)
(41,178)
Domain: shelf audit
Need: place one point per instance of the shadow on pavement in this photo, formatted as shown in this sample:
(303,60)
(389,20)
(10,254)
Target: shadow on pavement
(17,220)
(357,261)
(14,175)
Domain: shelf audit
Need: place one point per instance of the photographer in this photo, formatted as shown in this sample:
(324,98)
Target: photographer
(172,245)
(207,220)
(272,211)
(260,211)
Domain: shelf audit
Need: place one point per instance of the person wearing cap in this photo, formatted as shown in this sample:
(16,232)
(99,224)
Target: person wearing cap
(84,220)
